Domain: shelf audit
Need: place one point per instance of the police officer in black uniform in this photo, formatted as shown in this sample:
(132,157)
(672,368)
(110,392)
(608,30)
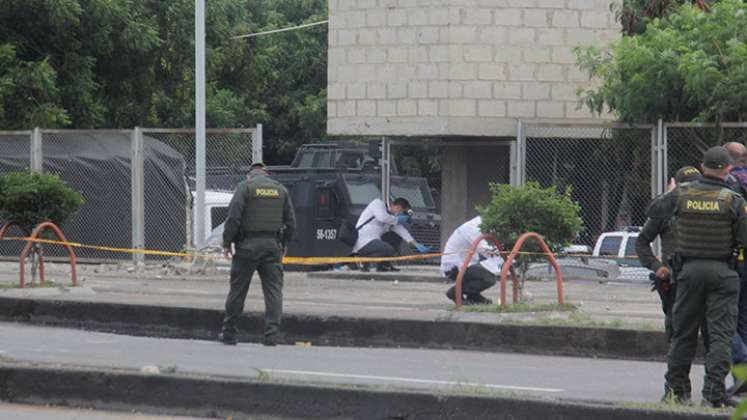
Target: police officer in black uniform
(710,222)
(260,224)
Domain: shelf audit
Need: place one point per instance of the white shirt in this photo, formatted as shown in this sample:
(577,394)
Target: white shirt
(382,222)
(459,243)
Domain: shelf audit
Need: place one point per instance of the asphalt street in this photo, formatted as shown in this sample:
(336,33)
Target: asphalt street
(544,376)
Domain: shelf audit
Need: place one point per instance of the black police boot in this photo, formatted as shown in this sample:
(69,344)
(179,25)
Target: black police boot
(227,339)
(727,402)
(672,397)
(270,341)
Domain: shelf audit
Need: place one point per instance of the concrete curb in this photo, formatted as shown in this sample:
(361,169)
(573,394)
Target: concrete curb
(374,276)
(204,324)
(225,397)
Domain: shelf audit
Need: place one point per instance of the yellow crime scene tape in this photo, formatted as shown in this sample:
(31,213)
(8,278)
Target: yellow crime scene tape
(286,260)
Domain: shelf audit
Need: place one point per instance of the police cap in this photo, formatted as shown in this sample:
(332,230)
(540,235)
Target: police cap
(717,157)
(257,165)
(686,174)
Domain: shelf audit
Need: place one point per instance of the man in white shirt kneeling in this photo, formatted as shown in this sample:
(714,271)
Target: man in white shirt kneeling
(381,231)
(483,269)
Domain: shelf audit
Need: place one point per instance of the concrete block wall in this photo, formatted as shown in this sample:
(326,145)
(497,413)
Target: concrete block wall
(458,67)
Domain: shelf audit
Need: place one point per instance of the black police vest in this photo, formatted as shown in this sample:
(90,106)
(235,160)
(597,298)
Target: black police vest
(264,207)
(703,223)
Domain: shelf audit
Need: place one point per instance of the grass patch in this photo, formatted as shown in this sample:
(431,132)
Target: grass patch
(521,307)
(673,407)
(577,319)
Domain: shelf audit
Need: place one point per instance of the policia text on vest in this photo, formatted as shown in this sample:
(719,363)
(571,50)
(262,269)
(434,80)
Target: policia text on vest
(260,224)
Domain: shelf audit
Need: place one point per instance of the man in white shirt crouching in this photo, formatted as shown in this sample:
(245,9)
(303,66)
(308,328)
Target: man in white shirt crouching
(381,230)
(483,269)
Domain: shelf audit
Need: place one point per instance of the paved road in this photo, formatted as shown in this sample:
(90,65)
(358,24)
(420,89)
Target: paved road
(552,377)
(30,412)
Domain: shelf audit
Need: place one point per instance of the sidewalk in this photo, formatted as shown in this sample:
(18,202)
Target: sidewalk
(626,305)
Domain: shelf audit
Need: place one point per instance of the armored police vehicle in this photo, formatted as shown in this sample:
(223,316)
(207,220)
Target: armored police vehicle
(333,182)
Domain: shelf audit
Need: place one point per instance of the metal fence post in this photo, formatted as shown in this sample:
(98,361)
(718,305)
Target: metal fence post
(664,154)
(386,150)
(518,157)
(37,158)
(137,167)
(257,144)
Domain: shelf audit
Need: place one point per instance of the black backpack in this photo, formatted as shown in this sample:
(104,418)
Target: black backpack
(348,232)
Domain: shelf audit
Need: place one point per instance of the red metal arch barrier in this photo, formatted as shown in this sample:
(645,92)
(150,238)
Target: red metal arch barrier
(465,265)
(5,227)
(35,235)
(515,251)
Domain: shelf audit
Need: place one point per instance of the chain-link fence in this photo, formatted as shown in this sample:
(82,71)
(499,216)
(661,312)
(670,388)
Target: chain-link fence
(229,154)
(685,143)
(15,154)
(607,168)
(137,184)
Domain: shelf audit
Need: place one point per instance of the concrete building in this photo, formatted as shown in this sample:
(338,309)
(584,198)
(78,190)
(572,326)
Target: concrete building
(463,71)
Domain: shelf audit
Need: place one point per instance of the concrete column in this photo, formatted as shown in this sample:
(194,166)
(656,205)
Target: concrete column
(487,164)
(454,196)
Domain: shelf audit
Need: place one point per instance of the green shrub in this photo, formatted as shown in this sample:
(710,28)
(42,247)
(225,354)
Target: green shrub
(514,211)
(30,198)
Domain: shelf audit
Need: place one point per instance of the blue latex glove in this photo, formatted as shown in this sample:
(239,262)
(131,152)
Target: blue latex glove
(402,219)
(422,248)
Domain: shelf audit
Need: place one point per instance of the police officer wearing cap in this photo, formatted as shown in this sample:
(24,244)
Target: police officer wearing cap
(259,225)
(710,222)
(662,226)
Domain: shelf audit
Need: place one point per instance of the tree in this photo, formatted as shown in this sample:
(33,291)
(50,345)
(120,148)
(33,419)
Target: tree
(121,63)
(634,15)
(30,198)
(688,66)
(513,211)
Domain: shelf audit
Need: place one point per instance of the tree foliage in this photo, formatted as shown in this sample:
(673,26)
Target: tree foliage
(634,15)
(30,198)
(688,66)
(513,211)
(122,63)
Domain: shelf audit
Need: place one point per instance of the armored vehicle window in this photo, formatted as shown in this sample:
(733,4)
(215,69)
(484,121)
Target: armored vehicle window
(411,193)
(349,160)
(326,202)
(362,194)
(610,245)
(314,159)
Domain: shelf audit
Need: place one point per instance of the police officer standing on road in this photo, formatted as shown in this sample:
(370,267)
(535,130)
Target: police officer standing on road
(710,222)
(661,225)
(260,224)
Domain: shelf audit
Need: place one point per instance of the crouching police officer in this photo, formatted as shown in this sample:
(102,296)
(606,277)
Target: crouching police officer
(260,223)
(710,222)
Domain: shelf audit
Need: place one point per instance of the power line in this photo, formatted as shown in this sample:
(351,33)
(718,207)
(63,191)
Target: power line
(274,31)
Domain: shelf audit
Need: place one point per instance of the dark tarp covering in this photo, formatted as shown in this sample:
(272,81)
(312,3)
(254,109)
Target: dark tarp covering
(97,164)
